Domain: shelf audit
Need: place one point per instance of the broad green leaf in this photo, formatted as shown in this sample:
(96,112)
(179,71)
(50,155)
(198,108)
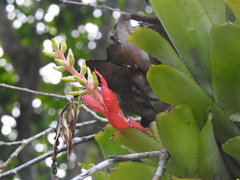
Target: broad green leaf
(153,43)
(132,170)
(215,10)
(180,132)
(210,162)
(109,147)
(138,141)
(100,175)
(225,66)
(154,129)
(174,87)
(232,147)
(188,27)
(235,7)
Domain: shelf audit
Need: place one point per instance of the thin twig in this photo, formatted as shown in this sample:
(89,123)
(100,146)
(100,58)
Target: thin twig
(115,159)
(10,143)
(93,113)
(34,92)
(76,141)
(24,142)
(20,148)
(94,6)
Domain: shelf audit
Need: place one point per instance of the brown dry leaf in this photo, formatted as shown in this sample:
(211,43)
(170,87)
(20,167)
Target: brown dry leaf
(72,124)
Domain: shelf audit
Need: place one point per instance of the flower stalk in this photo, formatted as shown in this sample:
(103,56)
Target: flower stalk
(100,99)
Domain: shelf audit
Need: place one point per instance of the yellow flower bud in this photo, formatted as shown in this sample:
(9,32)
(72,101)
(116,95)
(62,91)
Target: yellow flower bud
(90,78)
(50,54)
(80,80)
(95,80)
(81,92)
(59,68)
(63,46)
(83,67)
(55,44)
(69,79)
(60,62)
(70,57)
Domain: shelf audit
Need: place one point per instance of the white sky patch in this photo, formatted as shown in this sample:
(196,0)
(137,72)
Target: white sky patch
(116,14)
(91,28)
(17,23)
(39,14)
(49,74)
(48,162)
(36,103)
(16,112)
(54,9)
(20,2)
(97,13)
(40,147)
(47,45)
(89,1)
(61,173)
(1,52)
(8,121)
(3,62)
(10,8)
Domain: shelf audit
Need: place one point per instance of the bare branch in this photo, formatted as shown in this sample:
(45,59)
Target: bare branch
(163,158)
(94,6)
(76,141)
(34,92)
(93,114)
(10,143)
(20,148)
(115,159)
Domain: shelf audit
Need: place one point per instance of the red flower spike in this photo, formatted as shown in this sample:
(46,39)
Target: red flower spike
(111,107)
(137,125)
(117,121)
(93,103)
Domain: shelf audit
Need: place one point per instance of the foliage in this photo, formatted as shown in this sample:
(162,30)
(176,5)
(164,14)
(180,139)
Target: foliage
(197,77)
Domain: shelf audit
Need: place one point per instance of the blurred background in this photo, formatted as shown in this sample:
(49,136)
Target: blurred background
(26,27)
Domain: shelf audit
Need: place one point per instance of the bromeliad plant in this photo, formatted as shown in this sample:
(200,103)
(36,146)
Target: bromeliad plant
(199,76)
(103,100)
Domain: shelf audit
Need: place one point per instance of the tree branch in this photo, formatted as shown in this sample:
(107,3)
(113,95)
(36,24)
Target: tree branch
(34,92)
(163,154)
(76,141)
(20,148)
(94,6)
(163,158)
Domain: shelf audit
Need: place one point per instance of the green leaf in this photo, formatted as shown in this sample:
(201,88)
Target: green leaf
(180,132)
(132,170)
(215,10)
(174,87)
(225,65)
(232,147)
(188,27)
(234,6)
(154,129)
(153,43)
(109,147)
(210,162)
(138,141)
(100,175)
